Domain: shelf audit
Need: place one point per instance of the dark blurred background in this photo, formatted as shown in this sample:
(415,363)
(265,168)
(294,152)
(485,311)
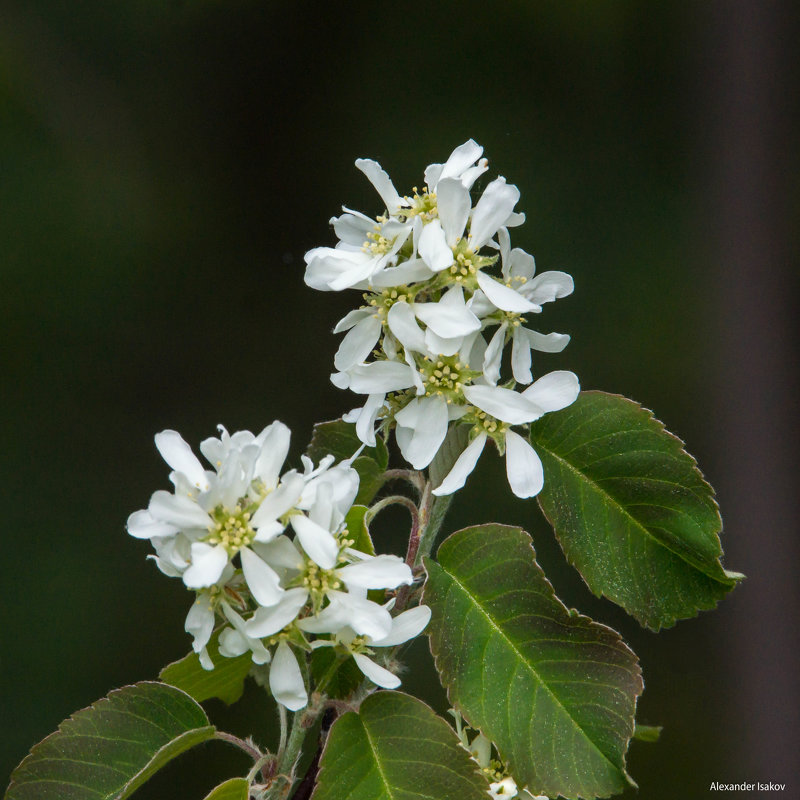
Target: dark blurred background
(165,165)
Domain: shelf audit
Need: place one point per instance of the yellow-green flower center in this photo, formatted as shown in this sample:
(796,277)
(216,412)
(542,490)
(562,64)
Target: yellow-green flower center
(383,301)
(422,205)
(446,376)
(231,529)
(319,582)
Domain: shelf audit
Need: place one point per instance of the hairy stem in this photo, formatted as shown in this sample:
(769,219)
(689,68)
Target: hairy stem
(412,476)
(286,777)
(248,748)
(435,515)
(395,500)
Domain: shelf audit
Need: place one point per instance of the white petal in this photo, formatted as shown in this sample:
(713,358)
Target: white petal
(378,675)
(554,391)
(473,350)
(378,572)
(364,616)
(463,467)
(427,419)
(260,653)
(503,296)
(177,453)
(352,227)
(262,580)
(462,158)
(143,525)
(547,342)
(408,272)
(405,626)
(436,345)
(521,356)
(480,305)
(274,441)
(365,424)
(286,680)
(503,404)
(351,318)
(493,356)
(403,325)
(523,265)
(380,377)
(200,621)
(481,749)
(500,790)
(316,541)
(280,553)
(331,619)
(182,512)
(523,467)
(358,343)
(432,173)
(378,177)
(268,621)
(341,480)
(453,202)
(433,247)
(334,270)
(469,176)
(356,274)
(492,211)
(275,505)
(549,286)
(232,643)
(205,660)
(207,565)
(450,317)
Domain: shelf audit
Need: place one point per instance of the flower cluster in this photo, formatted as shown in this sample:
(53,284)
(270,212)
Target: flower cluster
(501,785)
(444,294)
(224,533)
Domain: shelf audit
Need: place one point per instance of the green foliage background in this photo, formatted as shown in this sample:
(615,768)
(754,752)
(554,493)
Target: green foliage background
(163,168)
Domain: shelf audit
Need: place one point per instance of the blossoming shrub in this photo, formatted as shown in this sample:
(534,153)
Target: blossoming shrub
(288,588)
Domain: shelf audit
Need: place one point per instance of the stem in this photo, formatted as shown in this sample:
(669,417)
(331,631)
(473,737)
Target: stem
(395,500)
(432,511)
(302,722)
(412,476)
(436,515)
(248,748)
(422,521)
(284,727)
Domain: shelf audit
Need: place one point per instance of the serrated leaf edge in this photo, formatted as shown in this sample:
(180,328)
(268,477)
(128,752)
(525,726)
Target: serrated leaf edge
(478,771)
(93,706)
(734,577)
(573,613)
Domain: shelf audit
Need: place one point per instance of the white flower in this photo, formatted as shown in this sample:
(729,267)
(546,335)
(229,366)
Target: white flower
(215,515)
(504,787)
(405,626)
(369,250)
(417,349)
(504,407)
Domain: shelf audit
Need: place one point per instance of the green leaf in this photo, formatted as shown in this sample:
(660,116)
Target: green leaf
(396,748)
(631,509)
(225,681)
(452,447)
(647,733)
(112,747)
(358,529)
(234,789)
(553,690)
(339,438)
